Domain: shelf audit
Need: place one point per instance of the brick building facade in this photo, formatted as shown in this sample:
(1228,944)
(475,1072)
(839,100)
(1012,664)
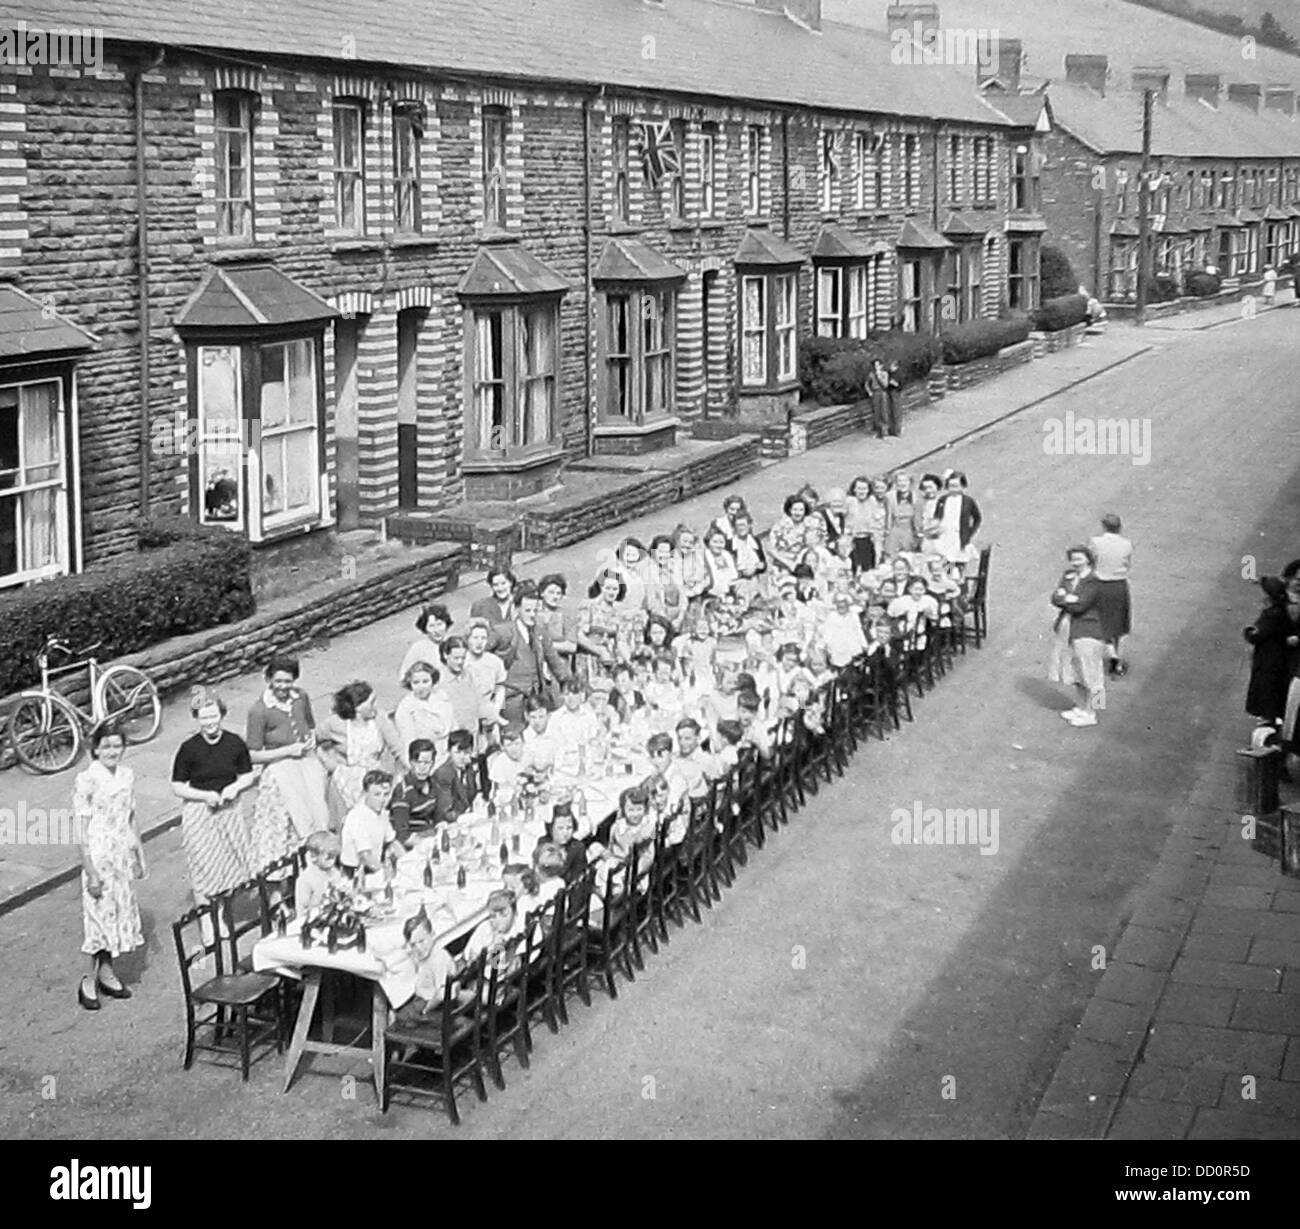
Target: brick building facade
(393,272)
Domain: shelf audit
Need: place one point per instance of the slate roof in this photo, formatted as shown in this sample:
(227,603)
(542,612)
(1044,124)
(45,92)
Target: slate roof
(249,296)
(716,48)
(761,247)
(508,269)
(834,242)
(913,234)
(962,224)
(29,330)
(624,259)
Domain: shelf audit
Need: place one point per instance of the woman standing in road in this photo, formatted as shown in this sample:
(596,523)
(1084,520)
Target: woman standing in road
(103,801)
(291,802)
(959,520)
(212,768)
(1273,639)
(1114,558)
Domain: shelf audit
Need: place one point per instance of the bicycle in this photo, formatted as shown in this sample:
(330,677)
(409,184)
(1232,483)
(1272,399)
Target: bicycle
(48,729)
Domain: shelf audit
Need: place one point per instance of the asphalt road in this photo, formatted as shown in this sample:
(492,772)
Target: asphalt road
(847,986)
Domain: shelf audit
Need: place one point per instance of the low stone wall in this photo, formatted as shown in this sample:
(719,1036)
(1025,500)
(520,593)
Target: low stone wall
(291,624)
(965,375)
(1233,289)
(1058,339)
(547,528)
(827,423)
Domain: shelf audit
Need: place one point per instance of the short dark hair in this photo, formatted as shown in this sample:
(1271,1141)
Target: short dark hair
(657,743)
(552,578)
(797,498)
(460,740)
(662,539)
(512,732)
(731,730)
(452,643)
(597,584)
(429,612)
(573,686)
(1082,550)
(688,723)
(493,573)
(418,747)
(633,793)
(350,697)
(533,703)
(749,701)
(527,589)
(110,729)
(1111,523)
(282,662)
(376,776)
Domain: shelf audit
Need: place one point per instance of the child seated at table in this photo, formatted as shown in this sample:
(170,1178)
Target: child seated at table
(754,731)
(729,736)
(433,965)
(539,746)
(663,694)
(523,882)
(321,873)
(368,835)
(508,764)
(789,666)
(499,936)
(548,865)
(915,609)
(819,665)
(562,834)
(659,749)
(625,699)
(573,725)
(634,826)
(695,764)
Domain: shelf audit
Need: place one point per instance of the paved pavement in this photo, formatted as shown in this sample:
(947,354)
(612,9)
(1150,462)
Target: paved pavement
(374,653)
(849,986)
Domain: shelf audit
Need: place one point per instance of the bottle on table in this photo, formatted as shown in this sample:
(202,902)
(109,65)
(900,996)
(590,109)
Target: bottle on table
(460,877)
(505,853)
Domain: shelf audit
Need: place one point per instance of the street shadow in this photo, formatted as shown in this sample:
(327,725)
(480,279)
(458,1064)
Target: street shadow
(1042,693)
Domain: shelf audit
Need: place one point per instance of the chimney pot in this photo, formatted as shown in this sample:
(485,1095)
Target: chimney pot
(1000,58)
(1246,93)
(1152,78)
(1280,98)
(906,17)
(1089,70)
(1203,86)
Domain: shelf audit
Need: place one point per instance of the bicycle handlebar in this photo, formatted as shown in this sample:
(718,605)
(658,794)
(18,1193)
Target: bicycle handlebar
(53,643)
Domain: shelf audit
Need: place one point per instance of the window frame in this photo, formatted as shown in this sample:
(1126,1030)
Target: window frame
(227,135)
(514,380)
(494,166)
(708,170)
(348,179)
(677,136)
(911,153)
(1027,280)
(754,134)
(854,297)
(955,195)
(638,358)
(620,147)
(829,172)
(58,484)
(408,124)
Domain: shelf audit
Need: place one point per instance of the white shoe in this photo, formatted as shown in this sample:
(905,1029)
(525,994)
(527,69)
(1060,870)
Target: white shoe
(1084,719)
(1070,714)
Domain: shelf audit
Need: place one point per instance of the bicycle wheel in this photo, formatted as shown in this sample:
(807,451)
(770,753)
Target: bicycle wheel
(45,731)
(128,697)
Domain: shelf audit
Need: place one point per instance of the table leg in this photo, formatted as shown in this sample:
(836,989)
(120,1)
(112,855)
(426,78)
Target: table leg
(378,1033)
(302,1025)
(329,990)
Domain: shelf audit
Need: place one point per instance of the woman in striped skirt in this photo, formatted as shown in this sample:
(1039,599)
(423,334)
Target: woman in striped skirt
(212,768)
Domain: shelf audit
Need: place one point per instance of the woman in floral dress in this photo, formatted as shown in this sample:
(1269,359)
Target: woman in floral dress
(366,736)
(600,622)
(103,801)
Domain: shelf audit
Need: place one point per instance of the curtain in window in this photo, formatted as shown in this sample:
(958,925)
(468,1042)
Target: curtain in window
(755,332)
(220,449)
(538,345)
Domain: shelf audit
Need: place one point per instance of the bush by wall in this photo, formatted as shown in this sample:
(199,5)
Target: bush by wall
(963,343)
(834,370)
(184,583)
(1056,273)
(1203,284)
(1060,313)
(1164,288)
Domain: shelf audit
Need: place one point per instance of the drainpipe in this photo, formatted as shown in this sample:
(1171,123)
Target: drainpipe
(142,277)
(587,295)
(785,175)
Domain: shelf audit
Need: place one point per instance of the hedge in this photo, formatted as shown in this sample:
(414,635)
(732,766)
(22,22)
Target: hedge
(1056,274)
(1203,284)
(1164,288)
(834,370)
(1061,313)
(963,343)
(199,579)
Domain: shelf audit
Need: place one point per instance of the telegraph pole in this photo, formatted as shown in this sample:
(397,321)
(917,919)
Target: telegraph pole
(1144,211)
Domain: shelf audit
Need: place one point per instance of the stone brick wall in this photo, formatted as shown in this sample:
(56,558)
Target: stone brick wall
(964,375)
(293,624)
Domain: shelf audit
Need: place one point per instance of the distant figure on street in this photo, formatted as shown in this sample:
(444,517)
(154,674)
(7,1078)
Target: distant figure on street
(1114,555)
(1273,638)
(1270,285)
(1087,645)
(884,386)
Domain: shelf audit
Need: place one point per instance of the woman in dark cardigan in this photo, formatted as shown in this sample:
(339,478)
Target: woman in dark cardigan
(1273,640)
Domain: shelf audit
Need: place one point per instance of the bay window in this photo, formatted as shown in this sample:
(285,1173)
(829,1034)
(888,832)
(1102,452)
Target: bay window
(512,366)
(844,299)
(910,294)
(768,327)
(638,343)
(33,481)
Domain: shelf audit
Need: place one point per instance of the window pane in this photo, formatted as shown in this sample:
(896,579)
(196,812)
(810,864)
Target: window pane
(275,395)
(302,381)
(40,415)
(220,449)
(301,480)
(9,455)
(489,378)
(40,528)
(8,535)
(273,477)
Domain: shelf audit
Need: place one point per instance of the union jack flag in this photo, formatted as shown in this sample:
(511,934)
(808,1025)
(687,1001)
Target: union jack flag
(659,151)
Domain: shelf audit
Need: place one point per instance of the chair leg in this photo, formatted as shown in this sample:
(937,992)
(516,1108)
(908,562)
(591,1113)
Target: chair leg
(449,1089)
(243,1044)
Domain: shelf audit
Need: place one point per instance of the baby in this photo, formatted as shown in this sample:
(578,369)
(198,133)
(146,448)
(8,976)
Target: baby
(321,873)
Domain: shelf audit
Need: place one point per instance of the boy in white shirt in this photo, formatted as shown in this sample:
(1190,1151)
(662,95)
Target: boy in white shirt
(506,766)
(539,746)
(367,831)
(573,725)
(841,632)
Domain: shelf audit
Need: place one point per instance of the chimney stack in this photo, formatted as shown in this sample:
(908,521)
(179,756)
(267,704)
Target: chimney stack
(907,17)
(1246,93)
(1203,87)
(1000,59)
(1089,70)
(802,12)
(1280,98)
(1152,78)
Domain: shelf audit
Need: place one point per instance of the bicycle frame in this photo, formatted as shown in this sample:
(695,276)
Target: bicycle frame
(89,716)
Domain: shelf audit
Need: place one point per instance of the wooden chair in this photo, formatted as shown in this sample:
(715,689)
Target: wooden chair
(694,863)
(539,955)
(749,829)
(643,921)
(277,887)
(609,941)
(429,1059)
(975,621)
(240,914)
(506,1001)
(663,882)
(723,814)
(245,1004)
(569,960)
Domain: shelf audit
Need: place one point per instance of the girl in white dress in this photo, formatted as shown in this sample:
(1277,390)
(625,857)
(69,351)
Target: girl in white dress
(111,857)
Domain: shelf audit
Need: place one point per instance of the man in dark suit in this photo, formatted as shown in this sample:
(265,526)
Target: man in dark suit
(533,667)
(455,781)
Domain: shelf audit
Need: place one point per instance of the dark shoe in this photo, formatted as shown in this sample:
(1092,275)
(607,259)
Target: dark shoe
(115,992)
(89,1001)
(1120,668)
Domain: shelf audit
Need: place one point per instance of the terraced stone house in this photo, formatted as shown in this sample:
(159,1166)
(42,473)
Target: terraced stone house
(291,267)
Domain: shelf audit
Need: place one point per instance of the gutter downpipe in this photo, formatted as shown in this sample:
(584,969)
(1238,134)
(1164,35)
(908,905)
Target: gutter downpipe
(142,278)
